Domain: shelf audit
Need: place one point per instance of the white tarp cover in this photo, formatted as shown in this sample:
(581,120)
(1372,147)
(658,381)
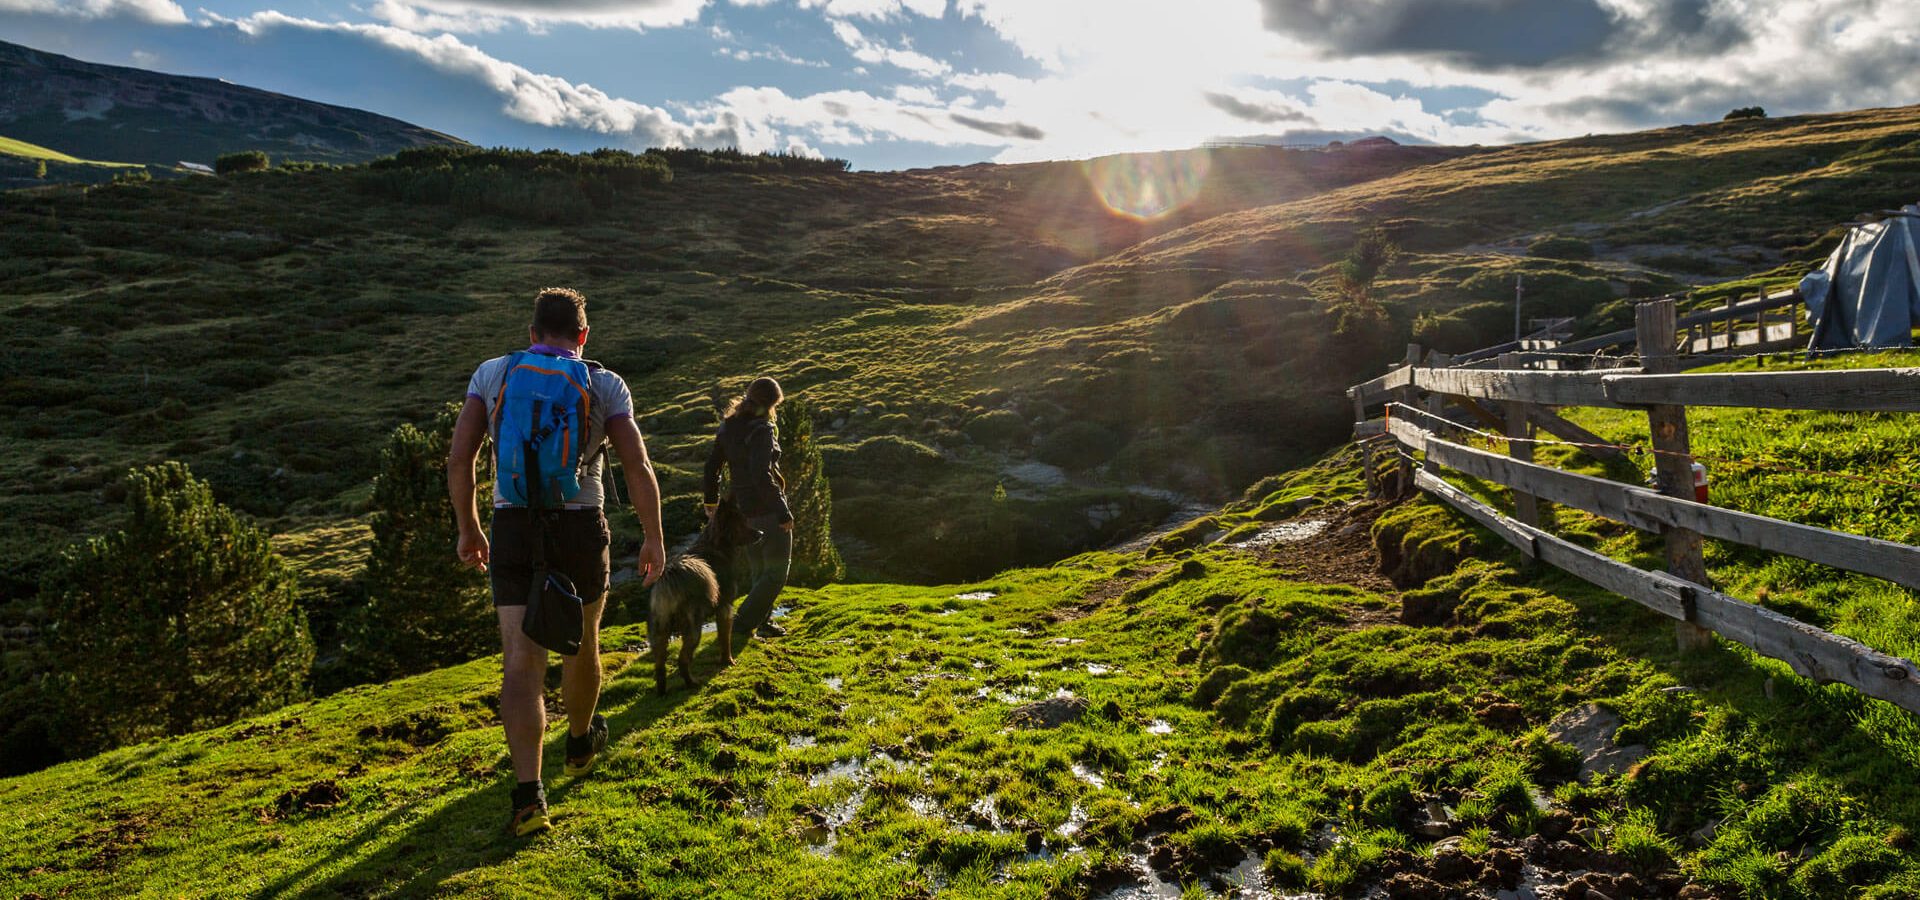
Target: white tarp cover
(1868,293)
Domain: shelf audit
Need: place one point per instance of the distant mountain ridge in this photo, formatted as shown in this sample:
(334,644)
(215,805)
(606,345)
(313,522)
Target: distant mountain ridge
(125,114)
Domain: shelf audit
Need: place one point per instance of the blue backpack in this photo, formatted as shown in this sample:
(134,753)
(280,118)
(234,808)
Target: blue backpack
(540,428)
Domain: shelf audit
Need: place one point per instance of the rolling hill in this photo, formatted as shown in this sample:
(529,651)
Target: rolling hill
(132,115)
(1016,369)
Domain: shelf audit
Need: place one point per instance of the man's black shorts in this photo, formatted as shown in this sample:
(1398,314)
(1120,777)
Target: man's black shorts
(577,541)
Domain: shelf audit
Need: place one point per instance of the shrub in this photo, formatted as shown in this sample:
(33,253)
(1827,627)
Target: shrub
(1077,445)
(424,609)
(1745,112)
(1555,246)
(886,457)
(244,161)
(183,620)
(815,561)
(998,428)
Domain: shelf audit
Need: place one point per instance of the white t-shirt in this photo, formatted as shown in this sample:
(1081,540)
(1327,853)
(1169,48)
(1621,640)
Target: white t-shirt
(611,402)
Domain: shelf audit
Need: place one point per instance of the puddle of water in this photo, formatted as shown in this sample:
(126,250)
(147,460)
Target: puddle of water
(1159,760)
(1076,820)
(1021,630)
(1019,694)
(1160,726)
(986,810)
(979,663)
(924,805)
(1147,884)
(1066,641)
(1282,533)
(976,595)
(845,768)
(1088,775)
(833,683)
(1098,669)
(801,740)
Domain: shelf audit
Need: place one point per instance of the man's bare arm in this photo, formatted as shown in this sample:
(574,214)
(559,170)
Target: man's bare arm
(468,432)
(645,492)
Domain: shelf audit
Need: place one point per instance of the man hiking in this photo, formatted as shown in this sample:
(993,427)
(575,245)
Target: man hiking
(551,415)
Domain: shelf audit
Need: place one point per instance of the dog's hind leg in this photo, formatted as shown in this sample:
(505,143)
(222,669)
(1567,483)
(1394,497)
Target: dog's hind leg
(657,638)
(689,642)
(723,615)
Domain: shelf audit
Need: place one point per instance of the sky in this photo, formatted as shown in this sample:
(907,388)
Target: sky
(892,84)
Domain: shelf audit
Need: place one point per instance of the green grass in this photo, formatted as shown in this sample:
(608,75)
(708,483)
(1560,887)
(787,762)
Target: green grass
(885,717)
(11,147)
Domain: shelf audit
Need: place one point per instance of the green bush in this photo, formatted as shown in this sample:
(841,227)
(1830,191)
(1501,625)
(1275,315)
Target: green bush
(182,620)
(1077,445)
(997,429)
(815,561)
(1560,247)
(424,609)
(244,161)
(1745,112)
(884,458)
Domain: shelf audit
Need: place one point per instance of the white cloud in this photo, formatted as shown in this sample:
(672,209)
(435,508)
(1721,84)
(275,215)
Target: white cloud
(468,16)
(868,50)
(877,9)
(159,12)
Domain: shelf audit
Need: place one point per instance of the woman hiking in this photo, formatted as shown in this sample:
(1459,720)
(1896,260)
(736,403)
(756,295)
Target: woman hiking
(748,447)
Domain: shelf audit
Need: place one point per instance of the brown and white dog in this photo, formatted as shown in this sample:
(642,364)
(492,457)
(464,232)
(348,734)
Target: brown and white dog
(690,592)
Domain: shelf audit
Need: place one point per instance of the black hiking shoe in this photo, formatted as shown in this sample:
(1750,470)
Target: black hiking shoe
(529,811)
(583,750)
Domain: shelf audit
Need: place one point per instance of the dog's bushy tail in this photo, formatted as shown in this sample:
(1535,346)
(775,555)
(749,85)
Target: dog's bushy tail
(690,580)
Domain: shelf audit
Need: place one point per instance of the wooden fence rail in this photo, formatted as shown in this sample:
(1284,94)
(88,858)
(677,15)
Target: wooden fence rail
(1528,398)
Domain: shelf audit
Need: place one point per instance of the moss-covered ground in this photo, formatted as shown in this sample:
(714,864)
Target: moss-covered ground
(1235,709)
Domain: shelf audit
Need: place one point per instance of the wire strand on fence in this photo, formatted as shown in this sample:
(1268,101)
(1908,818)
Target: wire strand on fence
(1650,451)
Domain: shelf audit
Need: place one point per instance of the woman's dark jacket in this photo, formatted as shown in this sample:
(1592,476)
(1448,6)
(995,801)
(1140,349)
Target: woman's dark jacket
(749,449)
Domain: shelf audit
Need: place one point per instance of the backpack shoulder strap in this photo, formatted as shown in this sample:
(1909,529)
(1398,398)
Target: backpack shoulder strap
(500,395)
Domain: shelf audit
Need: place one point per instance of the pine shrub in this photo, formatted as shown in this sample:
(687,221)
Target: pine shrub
(244,161)
(815,561)
(424,609)
(182,620)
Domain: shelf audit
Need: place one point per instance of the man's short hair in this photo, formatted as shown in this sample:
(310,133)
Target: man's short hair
(559,312)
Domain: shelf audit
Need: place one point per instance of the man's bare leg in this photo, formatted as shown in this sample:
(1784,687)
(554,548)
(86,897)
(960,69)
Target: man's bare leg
(580,674)
(523,708)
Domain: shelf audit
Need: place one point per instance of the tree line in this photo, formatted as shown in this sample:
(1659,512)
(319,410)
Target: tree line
(187,618)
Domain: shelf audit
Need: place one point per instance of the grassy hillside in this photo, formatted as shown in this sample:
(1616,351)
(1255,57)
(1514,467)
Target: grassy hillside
(1244,724)
(977,312)
(118,112)
(31,165)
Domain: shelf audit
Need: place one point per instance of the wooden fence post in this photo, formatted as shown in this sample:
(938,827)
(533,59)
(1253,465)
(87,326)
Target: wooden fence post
(1654,324)
(1526,507)
(1366,448)
(1408,397)
(1437,403)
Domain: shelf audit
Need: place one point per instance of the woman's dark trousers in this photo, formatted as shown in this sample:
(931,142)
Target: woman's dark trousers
(766,567)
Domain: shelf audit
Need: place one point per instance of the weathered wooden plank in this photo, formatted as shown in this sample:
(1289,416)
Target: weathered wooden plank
(1549,388)
(1508,530)
(1568,431)
(1895,562)
(1599,496)
(1408,433)
(1381,389)
(1652,511)
(1369,428)
(1655,590)
(1863,390)
(1813,653)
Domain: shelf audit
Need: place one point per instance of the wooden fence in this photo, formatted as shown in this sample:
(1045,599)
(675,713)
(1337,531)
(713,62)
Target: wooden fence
(1514,401)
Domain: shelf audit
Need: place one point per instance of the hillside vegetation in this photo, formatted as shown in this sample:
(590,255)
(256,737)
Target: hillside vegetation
(1225,720)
